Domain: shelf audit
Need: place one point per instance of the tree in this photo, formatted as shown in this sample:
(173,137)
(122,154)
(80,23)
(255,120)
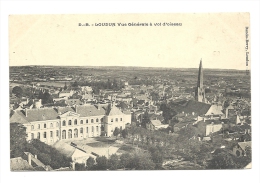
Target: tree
(113,162)
(47,98)
(124,133)
(65,86)
(80,167)
(223,160)
(102,163)
(90,163)
(141,160)
(17,139)
(116,132)
(18,91)
(125,160)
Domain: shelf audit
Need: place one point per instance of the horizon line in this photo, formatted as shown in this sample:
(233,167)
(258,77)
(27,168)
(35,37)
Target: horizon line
(124,66)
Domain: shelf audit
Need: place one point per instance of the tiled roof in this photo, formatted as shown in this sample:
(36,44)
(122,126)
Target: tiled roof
(18,117)
(41,114)
(90,110)
(114,111)
(243,145)
(199,108)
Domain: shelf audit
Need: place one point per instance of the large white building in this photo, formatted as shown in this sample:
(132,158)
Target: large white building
(77,122)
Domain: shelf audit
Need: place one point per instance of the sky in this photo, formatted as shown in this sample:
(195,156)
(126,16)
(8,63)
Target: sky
(218,39)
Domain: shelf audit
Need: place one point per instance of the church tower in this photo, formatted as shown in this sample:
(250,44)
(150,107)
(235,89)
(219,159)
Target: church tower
(200,91)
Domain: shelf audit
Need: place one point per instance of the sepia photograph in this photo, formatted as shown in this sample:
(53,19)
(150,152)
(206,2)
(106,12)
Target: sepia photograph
(108,92)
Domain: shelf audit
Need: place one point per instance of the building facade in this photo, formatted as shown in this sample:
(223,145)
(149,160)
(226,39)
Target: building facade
(78,122)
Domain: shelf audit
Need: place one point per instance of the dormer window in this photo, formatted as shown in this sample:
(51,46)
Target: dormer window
(112,120)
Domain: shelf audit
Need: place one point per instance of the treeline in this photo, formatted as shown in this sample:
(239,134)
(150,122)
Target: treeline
(102,85)
(137,160)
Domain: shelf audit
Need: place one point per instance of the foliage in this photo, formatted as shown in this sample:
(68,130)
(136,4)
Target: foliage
(90,163)
(18,91)
(113,162)
(47,154)
(80,167)
(124,133)
(102,163)
(116,132)
(17,139)
(125,160)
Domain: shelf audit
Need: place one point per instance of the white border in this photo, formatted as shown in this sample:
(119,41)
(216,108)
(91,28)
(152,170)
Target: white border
(82,7)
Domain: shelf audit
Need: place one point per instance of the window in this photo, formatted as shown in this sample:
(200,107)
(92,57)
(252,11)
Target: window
(75,122)
(57,124)
(32,127)
(87,130)
(112,120)
(81,130)
(44,135)
(32,135)
(121,119)
(38,135)
(92,129)
(69,122)
(116,119)
(51,125)
(92,120)
(97,128)
(97,120)
(51,134)
(44,126)
(86,120)
(39,126)
(57,133)
(75,133)
(64,123)
(101,119)
(81,121)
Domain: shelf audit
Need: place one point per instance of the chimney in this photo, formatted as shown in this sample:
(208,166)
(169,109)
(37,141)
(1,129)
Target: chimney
(29,158)
(76,108)
(35,156)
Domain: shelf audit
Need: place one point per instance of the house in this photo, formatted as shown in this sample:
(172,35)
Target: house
(241,149)
(155,125)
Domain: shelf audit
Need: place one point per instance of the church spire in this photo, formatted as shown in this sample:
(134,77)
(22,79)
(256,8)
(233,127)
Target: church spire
(200,91)
(200,75)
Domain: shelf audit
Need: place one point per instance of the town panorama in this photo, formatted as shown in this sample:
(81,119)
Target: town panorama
(65,118)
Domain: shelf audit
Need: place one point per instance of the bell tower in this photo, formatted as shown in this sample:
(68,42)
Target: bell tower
(200,90)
